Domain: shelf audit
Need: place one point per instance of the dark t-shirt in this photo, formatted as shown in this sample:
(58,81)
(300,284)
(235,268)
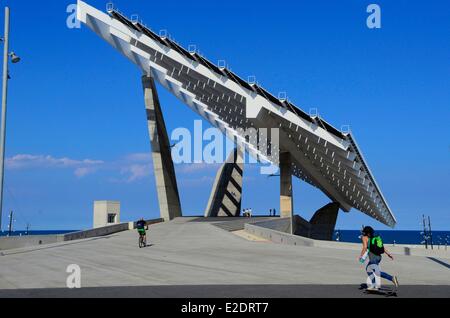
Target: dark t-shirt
(140,225)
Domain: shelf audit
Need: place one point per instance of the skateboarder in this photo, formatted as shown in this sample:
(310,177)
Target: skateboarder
(373,247)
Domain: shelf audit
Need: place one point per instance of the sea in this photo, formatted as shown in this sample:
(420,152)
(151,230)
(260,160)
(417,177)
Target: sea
(395,237)
(349,236)
(24,233)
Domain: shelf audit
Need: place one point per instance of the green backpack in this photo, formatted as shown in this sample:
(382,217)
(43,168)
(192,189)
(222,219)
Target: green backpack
(376,245)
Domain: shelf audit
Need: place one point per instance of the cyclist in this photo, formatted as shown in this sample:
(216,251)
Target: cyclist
(141,227)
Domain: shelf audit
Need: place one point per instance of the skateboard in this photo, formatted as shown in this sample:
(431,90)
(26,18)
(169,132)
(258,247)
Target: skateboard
(383,291)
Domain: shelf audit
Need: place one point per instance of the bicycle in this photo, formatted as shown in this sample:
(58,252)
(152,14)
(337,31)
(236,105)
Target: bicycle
(142,240)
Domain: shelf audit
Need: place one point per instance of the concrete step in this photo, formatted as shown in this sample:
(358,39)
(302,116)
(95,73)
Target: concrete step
(238,224)
(230,224)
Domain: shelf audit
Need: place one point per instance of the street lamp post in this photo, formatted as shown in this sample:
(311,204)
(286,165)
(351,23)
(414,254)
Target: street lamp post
(14,59)
(11,221)
(424,233)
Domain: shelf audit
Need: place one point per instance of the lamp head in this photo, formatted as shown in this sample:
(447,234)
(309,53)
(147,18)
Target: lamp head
(14,58)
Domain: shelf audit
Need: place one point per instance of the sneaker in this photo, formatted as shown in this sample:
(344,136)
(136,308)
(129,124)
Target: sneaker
(395,281)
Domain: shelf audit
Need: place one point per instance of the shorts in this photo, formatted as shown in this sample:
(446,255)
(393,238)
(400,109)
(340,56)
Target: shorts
(141,231)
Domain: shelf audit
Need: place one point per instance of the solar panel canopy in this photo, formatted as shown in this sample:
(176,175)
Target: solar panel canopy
(321,155)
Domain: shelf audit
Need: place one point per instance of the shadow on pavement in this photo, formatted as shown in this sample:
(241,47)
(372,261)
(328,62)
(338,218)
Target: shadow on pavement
(439,262)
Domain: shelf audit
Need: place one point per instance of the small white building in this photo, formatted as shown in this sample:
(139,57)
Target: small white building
(106,213)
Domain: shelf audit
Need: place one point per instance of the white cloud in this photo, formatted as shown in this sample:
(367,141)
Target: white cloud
(127,169)
(26,161)
(133,167)
(84,171)
(137,172)
(139,157)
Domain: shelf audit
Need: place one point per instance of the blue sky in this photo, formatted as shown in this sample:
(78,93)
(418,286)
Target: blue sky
(77,128)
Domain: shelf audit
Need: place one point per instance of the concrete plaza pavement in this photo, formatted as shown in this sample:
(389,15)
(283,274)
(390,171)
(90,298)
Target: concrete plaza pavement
(195,255)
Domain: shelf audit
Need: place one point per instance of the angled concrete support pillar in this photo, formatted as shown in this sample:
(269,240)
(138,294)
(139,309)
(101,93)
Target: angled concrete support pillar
(286,202)
(226,194)
(324,222)
(166,183)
